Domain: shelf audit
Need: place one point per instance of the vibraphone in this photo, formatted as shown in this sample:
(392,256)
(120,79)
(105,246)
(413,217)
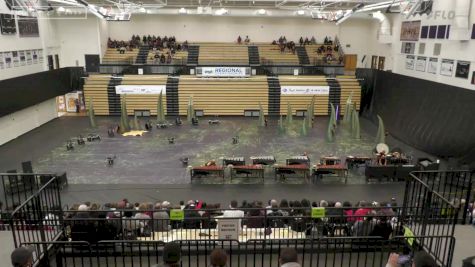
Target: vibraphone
(249,170)
(298,165)
(263,160)
(198,172)
(339,170)
(352,161)
(235,161)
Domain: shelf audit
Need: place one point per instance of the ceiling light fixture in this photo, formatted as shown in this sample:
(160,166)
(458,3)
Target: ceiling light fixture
(143,10)
(261,11)
(60,9)
(301,12)
(182,10)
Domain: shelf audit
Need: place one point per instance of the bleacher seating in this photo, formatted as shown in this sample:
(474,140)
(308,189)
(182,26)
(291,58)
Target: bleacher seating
(223,54)
(95,87)
(180,57)
(223,96)
(113,56)
(349,86)
(300,102)
(144,102)
(316,58)
(271,54)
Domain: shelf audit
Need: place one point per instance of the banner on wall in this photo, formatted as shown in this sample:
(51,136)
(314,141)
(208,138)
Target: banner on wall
(447,67)
(305,90)
(40,55)
(421,63)
(22,58)
(432,66)
(410,30)
(15,58)
(223,72)
(72,101)
(29,58)
(34,55)
(140,89)
(7,57)
(463,69)
(410,62)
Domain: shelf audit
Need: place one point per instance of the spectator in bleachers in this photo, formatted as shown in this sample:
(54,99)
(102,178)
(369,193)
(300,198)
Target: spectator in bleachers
(288,258)
(247,40)
(306,42)
(160,218)
(171,255)
(218,258)
(169,58)
(313,41)
(122,49)
(361,211)
(301,41)
(239,39)
(22,257)
(284,207)
(364,227)
(421,259)
(382,228)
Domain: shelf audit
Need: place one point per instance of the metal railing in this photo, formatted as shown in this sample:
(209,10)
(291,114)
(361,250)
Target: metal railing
(346,251)
(18,187)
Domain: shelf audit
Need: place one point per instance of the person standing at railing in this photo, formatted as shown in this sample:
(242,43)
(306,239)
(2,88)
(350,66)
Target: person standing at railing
(171,255)
(288,258)
(218,258)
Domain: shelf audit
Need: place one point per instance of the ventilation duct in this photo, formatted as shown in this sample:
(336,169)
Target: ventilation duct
(384,31)
(460,28)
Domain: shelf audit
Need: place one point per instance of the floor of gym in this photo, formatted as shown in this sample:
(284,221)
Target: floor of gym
(150,159)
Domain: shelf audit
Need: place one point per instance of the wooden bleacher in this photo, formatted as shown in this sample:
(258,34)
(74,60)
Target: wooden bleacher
(144,102)
(349,86)
(223,96)
(269,52)
(180,57)
(223,54)
(95,87)
(113,56)
(300,102)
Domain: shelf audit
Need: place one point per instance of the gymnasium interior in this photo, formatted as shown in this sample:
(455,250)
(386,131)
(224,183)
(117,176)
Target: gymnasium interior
(237,133)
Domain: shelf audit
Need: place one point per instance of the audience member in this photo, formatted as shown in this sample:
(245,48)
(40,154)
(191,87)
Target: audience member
(22,257)
(171,255)
(421,259)
(288,258)
(218,258)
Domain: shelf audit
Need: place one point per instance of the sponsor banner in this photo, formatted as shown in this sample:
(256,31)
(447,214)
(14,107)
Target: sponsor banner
(305,90)
(140,89)
(223,72)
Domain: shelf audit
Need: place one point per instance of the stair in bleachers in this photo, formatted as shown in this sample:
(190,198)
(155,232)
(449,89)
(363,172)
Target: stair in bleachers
(274,95)
(253,52)
(142,55)
(303,56)
(113,98)
(193,54)
(172,96)
(335,94)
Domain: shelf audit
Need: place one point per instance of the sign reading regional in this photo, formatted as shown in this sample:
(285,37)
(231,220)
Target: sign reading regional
(140,89)
(223,72)
(305,90)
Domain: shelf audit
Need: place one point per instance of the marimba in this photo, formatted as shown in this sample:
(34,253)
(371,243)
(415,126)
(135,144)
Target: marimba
(198,172)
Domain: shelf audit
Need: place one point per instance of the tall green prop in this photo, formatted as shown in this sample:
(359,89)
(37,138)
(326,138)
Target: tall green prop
(348,110)
(355,124)
(262,122)
(124,118)
(281,125)
(304,130)
(331,125)
(190,113)
(160,109)
(289,114)
(92,118)
(136,123)
(311,112)
(381,134)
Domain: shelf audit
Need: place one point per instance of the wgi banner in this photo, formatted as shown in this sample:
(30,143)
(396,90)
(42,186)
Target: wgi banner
(305,90)
(140,89)
(223,71)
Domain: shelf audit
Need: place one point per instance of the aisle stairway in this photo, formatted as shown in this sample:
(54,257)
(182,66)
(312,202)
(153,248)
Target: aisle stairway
(172,96)
(142,55)
(335,93)
(113,98)
(303,56)
(193,54)
(253,52)
(274,95)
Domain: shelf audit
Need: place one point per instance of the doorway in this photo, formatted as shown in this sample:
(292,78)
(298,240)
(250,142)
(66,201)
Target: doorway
(92,63)
(50,62)
(350,62)
(56,60)
(374,62)
(381,63)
